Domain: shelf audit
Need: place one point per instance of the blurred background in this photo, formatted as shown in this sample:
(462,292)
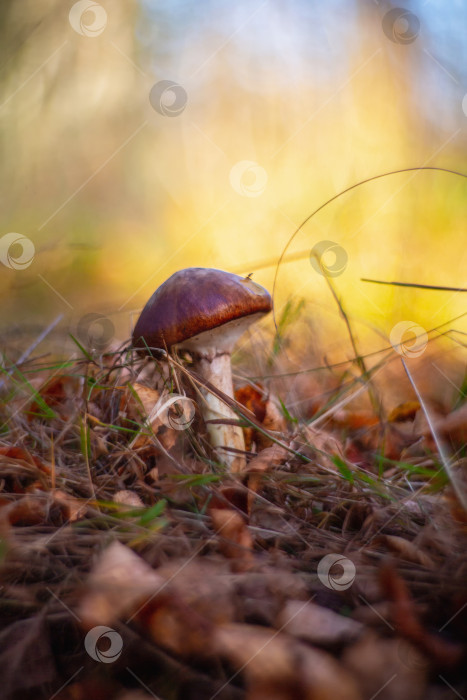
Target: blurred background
(140,137)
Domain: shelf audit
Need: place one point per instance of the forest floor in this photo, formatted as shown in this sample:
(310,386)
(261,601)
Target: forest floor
(133,564)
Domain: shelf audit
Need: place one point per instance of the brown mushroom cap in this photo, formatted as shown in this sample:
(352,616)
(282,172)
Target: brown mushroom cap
(196,300)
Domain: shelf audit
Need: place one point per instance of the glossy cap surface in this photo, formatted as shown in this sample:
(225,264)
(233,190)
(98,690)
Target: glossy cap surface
(196,300)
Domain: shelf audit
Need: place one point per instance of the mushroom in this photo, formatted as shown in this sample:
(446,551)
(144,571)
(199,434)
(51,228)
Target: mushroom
(205,311)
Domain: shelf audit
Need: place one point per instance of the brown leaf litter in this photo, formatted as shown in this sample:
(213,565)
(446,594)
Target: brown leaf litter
(213,582)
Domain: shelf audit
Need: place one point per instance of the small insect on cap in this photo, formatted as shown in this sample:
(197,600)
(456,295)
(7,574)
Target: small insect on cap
(199,308)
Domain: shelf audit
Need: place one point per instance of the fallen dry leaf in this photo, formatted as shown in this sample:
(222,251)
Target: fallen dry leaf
(355,420)
(444,653)
(205,586)
(236,495)
(235,541)
(253,399)
(177,627)
(140,410)
(406,550)
(118,582)
(36,509)
(453,426)
(374,616)
(148,397)
(265,412)
(324,446)
(26,644)
(23,456)
(276,666)
(262,594)
(267,459)
(145,410)
(387,669)
(403,412)
(273,422)
(316,624)
(457,508)
(76,509)
(61,393)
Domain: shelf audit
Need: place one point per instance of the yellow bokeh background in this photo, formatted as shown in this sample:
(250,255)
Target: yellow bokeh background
(116,195)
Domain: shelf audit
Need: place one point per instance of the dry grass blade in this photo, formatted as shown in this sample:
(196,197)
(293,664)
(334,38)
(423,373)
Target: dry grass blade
(108,519)
(447,464)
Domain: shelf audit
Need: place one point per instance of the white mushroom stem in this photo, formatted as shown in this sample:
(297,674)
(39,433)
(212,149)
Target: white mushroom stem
(211,352)
(217,370)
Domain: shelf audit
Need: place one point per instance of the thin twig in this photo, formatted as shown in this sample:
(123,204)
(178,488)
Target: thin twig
(415,284)
(444,458)
(33,346)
